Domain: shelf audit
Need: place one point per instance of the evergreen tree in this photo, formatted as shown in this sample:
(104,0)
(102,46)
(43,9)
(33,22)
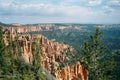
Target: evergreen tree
(93,55)
(2,52)
(12,66)
(6,56)
(37,54)
(37,60)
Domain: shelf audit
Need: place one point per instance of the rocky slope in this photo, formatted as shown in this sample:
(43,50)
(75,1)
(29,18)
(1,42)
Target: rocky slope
(40,27)
(51,54)
(24,29)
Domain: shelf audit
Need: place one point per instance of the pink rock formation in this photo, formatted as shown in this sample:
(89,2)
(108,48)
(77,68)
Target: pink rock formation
(50,55)
(73,72)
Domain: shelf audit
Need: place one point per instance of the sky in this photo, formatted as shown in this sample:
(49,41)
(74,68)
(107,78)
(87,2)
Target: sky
(60,11)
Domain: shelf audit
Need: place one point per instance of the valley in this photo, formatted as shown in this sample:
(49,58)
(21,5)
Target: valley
(61,45)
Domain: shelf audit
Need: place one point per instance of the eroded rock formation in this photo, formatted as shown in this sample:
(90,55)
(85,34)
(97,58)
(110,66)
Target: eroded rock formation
(24,29)
(74,72)
(51,55)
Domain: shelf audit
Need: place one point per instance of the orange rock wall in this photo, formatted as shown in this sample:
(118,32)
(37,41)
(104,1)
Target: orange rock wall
(25,29)
(50,55)
(73,72)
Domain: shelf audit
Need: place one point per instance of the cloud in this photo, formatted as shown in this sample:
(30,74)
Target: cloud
(114,3)
(107,9)
(94,2)
(51,12)
(41,9)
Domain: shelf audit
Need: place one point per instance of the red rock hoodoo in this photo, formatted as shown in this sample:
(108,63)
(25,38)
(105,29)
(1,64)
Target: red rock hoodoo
(50,54)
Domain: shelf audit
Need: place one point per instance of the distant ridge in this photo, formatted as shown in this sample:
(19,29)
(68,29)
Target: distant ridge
(3,24)
(13,24)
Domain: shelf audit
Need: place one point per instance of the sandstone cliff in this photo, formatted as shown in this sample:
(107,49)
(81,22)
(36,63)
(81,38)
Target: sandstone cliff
(39,27)
(51,55)
(25,29)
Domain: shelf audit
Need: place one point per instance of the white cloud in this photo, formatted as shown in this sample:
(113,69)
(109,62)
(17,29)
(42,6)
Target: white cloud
(46,9)
(114,3)
(94,2)
(57,13)
(107,9)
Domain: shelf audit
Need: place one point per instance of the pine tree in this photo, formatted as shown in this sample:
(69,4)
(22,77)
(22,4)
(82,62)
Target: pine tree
(37,60)
(93,55)
(12,65)
(6,56)
(2,51)
(37,54)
